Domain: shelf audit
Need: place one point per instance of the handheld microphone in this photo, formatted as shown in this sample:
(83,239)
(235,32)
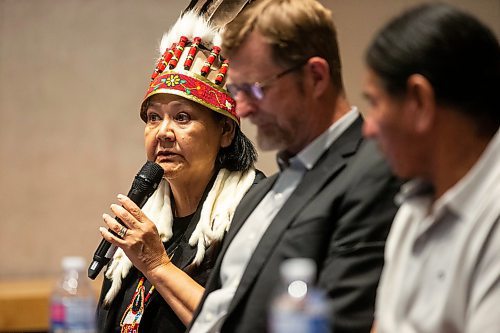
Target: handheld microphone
(143,186)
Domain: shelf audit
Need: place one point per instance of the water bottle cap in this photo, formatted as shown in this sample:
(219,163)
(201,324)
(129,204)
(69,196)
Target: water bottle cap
(303,269)
(77,263)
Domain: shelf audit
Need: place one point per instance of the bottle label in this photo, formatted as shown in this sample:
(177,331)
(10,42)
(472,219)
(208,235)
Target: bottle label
(80,313)
(308,315)
(296,322)
(73,315)
(288,322)
(57,313)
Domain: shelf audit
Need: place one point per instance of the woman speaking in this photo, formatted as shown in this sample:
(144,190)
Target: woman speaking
(166,250)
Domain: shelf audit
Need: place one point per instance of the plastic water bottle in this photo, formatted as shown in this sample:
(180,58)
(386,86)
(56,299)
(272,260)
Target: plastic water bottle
(298,307)
(73,303)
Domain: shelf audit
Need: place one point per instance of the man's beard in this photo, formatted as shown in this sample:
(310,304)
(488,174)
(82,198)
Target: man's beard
(274,139)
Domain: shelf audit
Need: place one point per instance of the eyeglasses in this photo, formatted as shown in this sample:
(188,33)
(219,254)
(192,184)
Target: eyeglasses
(256,89)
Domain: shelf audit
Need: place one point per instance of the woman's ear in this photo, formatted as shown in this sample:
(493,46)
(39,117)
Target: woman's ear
(228,132)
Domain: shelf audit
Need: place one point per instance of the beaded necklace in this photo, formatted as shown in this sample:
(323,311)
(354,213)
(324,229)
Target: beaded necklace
(132,316)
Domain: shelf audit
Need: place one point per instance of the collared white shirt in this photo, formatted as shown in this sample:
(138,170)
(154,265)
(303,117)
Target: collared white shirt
(442,261)
(240,250)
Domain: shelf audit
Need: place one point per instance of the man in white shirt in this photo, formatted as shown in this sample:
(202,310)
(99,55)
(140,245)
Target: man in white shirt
(433,83)
(332,200)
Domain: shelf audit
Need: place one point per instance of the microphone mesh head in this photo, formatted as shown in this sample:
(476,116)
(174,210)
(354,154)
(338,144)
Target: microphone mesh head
(145,183)
(152,172)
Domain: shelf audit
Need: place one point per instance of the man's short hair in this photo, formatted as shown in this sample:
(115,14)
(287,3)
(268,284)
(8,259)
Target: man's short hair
(295,29)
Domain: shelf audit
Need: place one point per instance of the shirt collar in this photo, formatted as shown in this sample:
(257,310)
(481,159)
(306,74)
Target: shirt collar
(466,195)
(413,188)
(308,156)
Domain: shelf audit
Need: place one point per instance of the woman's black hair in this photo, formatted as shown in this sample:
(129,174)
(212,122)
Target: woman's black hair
(459,56)
(240,155)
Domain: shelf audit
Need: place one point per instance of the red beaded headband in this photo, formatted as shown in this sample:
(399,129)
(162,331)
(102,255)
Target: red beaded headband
(202,77)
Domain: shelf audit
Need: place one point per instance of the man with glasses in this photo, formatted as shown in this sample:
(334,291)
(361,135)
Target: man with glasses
(332,200)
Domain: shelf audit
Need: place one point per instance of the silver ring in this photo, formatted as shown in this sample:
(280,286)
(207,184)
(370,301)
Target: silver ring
(123,232)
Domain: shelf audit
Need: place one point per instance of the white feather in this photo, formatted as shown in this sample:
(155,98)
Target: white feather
(217,40)
(190,25)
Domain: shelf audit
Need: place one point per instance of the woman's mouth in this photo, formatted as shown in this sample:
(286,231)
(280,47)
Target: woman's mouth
(165,156)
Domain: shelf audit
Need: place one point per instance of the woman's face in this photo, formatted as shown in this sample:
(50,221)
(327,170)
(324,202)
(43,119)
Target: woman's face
(183,137)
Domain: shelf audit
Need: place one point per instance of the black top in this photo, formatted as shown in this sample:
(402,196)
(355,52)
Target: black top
(174,250)
(158,316)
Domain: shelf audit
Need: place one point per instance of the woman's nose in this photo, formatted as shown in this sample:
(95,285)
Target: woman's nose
(165,131)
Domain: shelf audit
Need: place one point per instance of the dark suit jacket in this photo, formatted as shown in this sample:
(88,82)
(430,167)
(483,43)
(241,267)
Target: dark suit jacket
(339,215)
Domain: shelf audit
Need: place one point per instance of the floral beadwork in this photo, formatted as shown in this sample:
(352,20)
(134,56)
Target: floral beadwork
(196,88)
(173,80)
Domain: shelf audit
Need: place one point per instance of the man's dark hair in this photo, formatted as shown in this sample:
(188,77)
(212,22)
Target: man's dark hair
(459,56)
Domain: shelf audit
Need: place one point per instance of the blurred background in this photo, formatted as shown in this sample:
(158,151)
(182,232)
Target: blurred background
(72,77)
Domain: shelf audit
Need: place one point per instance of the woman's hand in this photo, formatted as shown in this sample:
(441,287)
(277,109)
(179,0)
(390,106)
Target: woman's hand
(141,241)
(142,245)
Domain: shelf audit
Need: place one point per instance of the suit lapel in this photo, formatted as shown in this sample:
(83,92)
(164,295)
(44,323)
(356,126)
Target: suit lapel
(245,208)
(328,167)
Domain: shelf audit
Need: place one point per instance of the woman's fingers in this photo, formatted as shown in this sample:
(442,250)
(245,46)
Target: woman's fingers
(116,228)
(131,207)
(139,236)
(125,216)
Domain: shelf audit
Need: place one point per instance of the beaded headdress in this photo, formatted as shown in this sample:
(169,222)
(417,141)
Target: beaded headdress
(192,66)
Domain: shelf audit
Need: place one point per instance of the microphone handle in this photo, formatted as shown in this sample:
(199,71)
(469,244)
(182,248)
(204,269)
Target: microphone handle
(99,261)
(143,186)
(106,250)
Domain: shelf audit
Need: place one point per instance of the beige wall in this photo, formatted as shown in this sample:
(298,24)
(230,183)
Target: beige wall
(72,74)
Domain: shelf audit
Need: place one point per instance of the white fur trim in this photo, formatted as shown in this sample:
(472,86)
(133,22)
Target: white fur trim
(218,209)
(215,218)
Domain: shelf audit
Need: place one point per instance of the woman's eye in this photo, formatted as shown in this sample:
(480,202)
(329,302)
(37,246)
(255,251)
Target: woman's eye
(153,117)
(182,117)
